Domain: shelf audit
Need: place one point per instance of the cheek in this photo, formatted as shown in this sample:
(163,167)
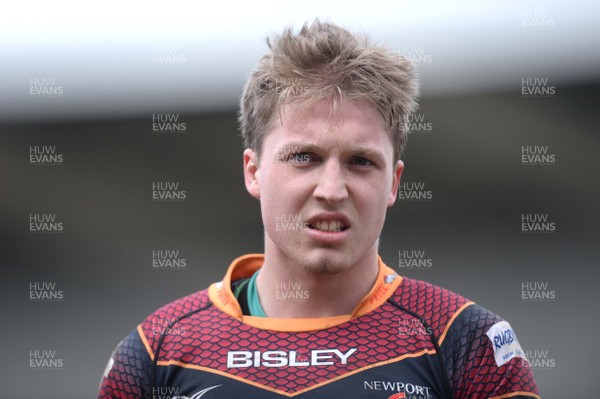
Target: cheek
(280,193)
(270,183)
(374,194)
(372,203)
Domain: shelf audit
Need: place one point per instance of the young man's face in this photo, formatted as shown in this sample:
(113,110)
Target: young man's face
(334,174)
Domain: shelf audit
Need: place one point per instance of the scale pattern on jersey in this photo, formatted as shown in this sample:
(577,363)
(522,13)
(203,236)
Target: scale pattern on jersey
(436,305)
(131,374)
(207,334)
(469,358)
(154,324)
(210,335)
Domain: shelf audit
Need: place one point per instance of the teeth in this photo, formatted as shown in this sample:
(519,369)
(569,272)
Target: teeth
(334,225)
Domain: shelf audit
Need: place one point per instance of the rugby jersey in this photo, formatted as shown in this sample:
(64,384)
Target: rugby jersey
(405,339)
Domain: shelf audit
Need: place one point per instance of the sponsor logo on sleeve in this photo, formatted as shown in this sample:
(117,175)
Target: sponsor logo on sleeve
(504,342)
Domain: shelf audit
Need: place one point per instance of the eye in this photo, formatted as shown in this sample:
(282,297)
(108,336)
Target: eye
(361,161)
(299,157)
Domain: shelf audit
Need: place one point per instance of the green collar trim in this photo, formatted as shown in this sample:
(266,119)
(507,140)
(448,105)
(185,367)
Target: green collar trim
(253,300)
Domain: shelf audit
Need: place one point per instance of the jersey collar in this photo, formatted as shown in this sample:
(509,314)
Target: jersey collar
(244,266)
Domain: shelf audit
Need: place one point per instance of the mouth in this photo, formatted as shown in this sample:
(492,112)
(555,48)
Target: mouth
(332,226)
(329,222)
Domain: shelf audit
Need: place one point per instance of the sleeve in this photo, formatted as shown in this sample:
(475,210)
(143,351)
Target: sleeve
(128,373)
(484,359)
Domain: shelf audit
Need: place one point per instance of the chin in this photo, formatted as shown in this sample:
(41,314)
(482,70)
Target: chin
(327,263)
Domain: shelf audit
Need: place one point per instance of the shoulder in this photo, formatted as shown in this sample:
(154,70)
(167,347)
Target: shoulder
(484,358)
(129,372)
(446,312)
(437,307)
(182,306)
(164,320)
(480,350)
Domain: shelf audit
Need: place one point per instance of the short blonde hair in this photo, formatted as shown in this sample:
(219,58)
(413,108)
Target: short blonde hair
(326,62)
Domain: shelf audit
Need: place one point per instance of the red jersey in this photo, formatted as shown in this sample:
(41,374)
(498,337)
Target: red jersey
(405,339)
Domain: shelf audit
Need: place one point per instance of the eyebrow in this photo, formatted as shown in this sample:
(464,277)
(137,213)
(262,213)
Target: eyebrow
(369,153)
(295,146)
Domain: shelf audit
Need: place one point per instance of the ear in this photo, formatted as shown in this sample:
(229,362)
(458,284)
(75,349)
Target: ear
(251,173)
(395,183)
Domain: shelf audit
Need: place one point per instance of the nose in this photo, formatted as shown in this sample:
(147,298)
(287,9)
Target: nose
(331,185)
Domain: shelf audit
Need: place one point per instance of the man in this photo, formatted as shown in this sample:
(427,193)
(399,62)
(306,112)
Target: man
(320,315)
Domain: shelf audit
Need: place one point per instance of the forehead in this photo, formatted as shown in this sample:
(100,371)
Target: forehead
(348,124)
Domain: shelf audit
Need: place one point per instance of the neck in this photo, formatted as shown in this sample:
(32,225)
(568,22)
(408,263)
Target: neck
(287,290)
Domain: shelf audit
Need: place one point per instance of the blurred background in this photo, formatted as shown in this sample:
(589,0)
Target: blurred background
(100,102)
